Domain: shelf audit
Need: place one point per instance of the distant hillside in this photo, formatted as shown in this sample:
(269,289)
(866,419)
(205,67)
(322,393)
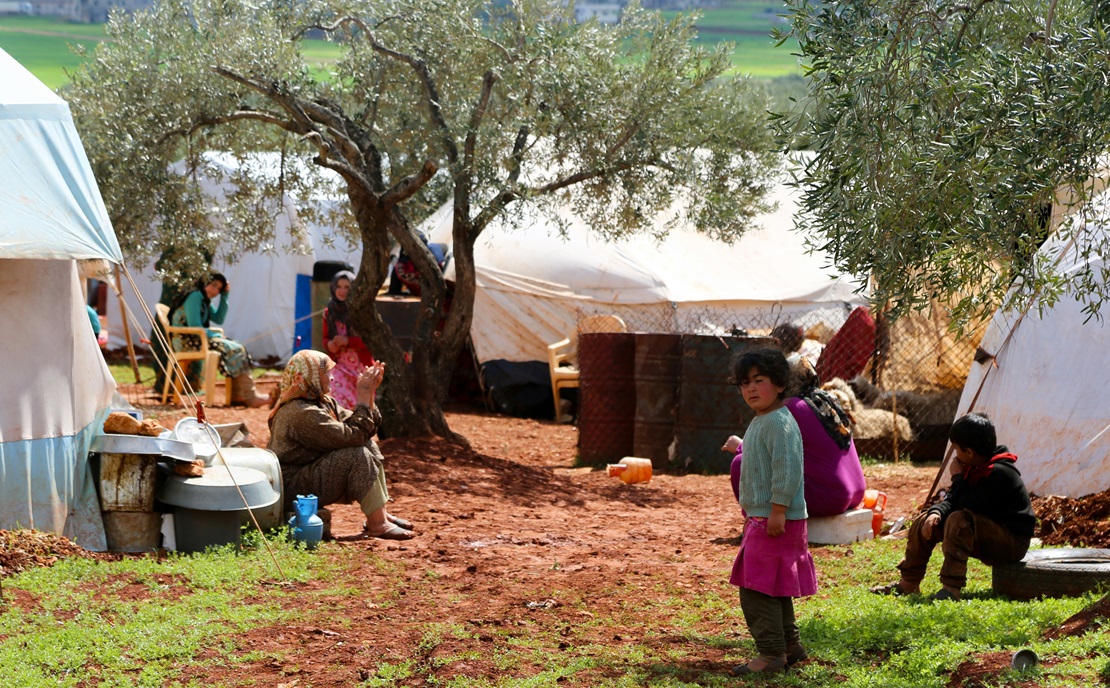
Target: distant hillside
(43,44)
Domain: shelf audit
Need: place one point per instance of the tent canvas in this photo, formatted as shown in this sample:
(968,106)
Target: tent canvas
(1045,389)
(58,389)
(268,287)
(531,282)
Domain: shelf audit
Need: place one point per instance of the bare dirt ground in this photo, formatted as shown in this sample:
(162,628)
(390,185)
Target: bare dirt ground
(509,528)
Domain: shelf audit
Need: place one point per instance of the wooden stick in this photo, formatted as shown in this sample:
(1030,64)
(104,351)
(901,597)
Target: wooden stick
(127,329)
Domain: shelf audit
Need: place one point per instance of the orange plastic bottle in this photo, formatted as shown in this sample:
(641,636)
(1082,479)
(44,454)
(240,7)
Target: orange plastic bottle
(876,501)
(631,470)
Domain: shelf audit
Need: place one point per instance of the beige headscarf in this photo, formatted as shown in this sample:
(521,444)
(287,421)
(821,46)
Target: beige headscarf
(303,379)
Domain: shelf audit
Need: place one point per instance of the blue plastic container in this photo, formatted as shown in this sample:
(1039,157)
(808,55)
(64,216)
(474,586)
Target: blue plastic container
(307,526)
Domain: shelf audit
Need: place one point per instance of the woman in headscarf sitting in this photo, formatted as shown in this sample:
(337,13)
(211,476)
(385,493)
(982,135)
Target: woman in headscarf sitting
(833,476)
(194,309)
(350,353)
(329,451)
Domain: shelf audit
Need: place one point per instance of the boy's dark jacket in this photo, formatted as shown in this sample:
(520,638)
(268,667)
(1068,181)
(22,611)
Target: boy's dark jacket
(1000,495)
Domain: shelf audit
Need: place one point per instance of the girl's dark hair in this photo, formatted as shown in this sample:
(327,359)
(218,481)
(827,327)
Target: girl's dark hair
(217,277)
(974,431)
(789,336)
(766,361)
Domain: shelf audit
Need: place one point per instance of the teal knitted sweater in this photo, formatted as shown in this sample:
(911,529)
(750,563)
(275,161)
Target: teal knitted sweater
(771,472)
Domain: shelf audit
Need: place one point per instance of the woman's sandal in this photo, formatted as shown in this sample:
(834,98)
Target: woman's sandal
(399,522)
(393,532)
(770,665)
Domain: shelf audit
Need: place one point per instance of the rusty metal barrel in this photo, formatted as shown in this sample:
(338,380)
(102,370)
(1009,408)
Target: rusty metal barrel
(606,396)
(126,486)
(709,408)
(658,366)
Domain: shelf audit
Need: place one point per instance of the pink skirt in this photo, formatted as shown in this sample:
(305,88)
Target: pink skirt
(777,566)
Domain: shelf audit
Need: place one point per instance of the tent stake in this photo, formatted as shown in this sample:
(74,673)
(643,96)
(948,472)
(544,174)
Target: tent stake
(127,330)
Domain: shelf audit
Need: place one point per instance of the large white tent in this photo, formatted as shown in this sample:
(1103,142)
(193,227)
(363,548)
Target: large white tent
(1045,385)
(263,307)
(57,389)
(532,281)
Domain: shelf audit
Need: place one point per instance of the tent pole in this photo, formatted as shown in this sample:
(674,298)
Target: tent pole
(127,329)
(994,364)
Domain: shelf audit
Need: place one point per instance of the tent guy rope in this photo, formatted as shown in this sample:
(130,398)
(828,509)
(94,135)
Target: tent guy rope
(193,405)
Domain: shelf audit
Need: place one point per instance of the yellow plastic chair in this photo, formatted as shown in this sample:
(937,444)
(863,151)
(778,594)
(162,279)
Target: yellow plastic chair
(562,376)
(183,359)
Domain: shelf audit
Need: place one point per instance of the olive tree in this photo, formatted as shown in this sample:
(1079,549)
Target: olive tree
(943,132)
(492,106)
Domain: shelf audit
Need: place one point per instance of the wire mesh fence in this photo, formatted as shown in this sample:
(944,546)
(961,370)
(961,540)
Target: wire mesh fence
(900,381)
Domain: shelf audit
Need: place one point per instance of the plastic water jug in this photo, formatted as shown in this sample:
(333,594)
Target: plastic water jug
(631,470)
(876,501)
(307,526)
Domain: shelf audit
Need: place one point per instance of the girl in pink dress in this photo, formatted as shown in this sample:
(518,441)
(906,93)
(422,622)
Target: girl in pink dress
(347,349)
(774,564)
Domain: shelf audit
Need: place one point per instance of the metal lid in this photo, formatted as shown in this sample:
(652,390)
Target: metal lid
(140,444)
(203,436)
(215,490)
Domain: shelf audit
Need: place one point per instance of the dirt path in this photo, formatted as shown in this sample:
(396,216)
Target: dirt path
(514,541)
(520,556)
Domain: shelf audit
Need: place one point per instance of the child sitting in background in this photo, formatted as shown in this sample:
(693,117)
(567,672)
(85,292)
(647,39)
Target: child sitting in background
(774,564)
(986,515)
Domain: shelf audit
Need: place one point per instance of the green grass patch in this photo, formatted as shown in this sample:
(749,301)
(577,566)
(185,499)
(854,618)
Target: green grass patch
(142,621)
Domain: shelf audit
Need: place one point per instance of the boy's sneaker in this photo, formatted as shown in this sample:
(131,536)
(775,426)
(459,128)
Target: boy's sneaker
(943,594)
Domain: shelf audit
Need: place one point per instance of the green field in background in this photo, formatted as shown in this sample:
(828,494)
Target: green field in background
(47,57)
(43,45)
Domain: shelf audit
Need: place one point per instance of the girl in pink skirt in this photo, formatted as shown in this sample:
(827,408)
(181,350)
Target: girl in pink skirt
(774,564)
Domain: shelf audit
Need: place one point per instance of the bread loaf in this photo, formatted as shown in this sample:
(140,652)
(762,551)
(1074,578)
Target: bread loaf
(151,428)
(119,423)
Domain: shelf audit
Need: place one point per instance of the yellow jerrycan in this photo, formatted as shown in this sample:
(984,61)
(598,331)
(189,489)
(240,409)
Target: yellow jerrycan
(631,470)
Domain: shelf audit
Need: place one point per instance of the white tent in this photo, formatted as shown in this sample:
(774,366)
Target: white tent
(263,308)
(532,282)
(1045,388)
(57,389)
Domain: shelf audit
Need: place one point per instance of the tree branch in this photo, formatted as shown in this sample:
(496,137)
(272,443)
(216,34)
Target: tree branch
(970,16)
(517,158)
(504,51)
(256,115)
(495,206)
(586,175)
(624,138)
(420,67)
(308,113)
(1049,15)
(480,109)
(409,185)
(492,210)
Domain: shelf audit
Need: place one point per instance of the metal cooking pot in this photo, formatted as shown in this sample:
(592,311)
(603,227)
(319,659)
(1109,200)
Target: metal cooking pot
(216,490)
